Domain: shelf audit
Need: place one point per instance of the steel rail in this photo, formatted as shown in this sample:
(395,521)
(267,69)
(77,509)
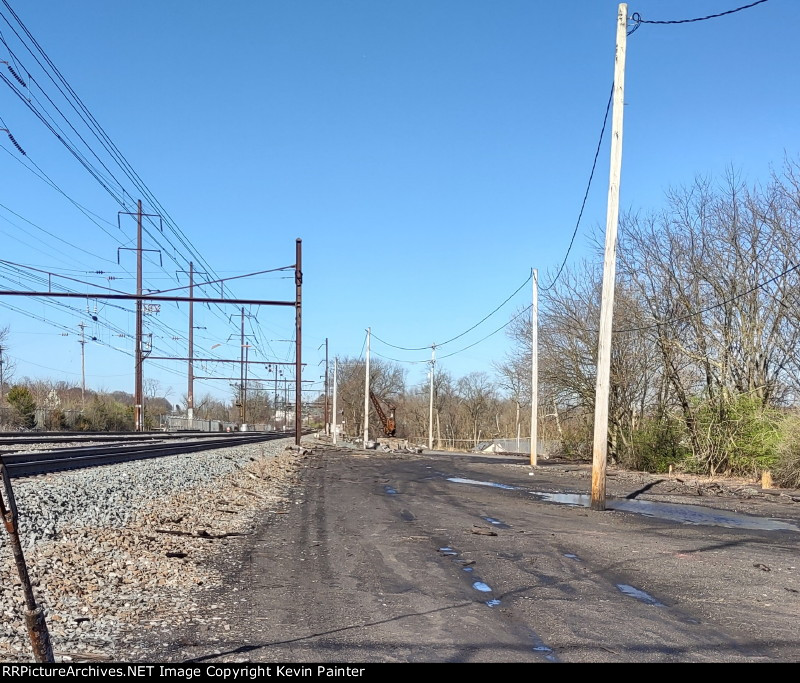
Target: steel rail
(41,462)
(11,438)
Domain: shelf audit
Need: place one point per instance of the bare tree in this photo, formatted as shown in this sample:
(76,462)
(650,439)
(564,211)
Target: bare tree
(478,396)
(387,382)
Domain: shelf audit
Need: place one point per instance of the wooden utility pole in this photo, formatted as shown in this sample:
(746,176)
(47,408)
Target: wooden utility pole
(138,398)
(600,450)
(335,373)
(430,407)
(534,365)
(366,395)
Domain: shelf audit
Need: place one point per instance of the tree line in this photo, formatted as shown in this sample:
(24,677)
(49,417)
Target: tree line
(478,407)
(704,365)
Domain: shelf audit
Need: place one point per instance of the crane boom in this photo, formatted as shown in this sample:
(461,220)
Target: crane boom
(389,425)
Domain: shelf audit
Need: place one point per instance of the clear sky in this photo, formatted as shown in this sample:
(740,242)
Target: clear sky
(428,153)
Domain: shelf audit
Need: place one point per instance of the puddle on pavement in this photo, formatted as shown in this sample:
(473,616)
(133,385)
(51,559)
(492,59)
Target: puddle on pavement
(481,586)
(459,480)
(391,491)
(539,646)
(468,569)
(492,603)
(572,557)
(447,551)
(639,595)
(674,512)
(496,522)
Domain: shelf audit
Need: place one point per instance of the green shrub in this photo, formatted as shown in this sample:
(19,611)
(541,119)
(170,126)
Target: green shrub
(655,445)
(21,399)
(786,472)
(738,436)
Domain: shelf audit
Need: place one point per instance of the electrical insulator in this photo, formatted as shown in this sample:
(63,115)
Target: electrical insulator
(16,75)
(16,144)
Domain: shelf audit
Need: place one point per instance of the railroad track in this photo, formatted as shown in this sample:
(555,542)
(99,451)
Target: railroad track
(32,463)
(13,438)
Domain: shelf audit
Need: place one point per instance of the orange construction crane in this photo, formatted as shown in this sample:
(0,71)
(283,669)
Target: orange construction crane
(389,425)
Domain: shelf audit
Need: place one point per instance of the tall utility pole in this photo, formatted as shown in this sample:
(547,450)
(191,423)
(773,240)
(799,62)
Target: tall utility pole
(138,393)
(327,422)
(82,342)
(534,366)
(600,450)
(190,356)
(242,394)
(335,372)
(138,398)
(430,406)
(275,395)
(366,394)
(298,336)
(286,399)
(190,371)
(2,377)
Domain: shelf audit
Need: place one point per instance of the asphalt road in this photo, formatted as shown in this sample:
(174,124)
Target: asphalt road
(451,558)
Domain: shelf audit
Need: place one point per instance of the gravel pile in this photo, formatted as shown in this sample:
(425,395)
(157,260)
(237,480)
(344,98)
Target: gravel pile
(120,549)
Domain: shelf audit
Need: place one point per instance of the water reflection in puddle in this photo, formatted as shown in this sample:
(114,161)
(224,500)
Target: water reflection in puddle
(572,557)
(481,586)
(675,512)
(390,490)
(539,646)
(496,522)
(459,480)
(492,603)
(639,595)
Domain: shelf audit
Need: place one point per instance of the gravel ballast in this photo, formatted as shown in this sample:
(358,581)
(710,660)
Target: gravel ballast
(123,549)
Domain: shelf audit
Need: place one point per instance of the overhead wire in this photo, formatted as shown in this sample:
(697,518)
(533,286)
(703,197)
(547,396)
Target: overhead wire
(106,142)
(712,307)
(458,336)
(636,17)
(585,194)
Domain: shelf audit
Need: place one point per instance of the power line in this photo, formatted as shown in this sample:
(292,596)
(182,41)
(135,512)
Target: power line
(458,336)
(173,251)
(54,236)
(397,360)
(638,19)
(491,334)
(563,262)
(48,181)
(107,144)
(713,306)
(585,194)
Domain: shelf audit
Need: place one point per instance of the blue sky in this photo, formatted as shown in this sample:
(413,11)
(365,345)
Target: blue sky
(429,154)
